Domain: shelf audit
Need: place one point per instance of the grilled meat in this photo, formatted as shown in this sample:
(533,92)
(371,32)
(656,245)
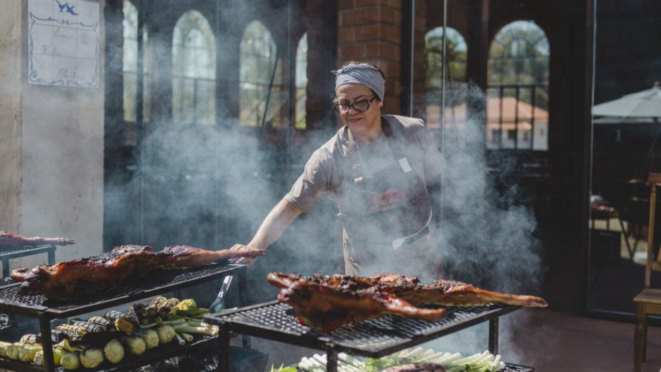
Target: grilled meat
(326,308)
(453,293)
(441,292)
(8,240)
(71,279)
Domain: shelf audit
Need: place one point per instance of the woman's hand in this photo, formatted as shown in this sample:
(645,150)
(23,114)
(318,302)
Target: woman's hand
(248,261)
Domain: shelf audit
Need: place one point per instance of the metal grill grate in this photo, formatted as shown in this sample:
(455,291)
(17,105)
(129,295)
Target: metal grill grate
(368,336)
(515,368)
(153,282)
(12,250)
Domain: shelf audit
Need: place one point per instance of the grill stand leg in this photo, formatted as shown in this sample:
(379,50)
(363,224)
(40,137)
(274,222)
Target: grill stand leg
(51,255)
(44,323)
(493,336)
(331,357)
(224,354)
(243,288)
(5,267)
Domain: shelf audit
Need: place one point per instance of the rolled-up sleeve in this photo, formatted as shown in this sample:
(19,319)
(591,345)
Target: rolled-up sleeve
(313,184)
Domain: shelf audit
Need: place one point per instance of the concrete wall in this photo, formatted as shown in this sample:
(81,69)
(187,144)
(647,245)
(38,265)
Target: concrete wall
(10,115)
(55,148)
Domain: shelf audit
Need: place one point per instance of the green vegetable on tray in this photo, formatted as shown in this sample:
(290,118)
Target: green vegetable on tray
(136,345)
(283,369)
(27,352)
(114,351)
(165,334)
(70,361)
(452,362)
(91,358)
(150,337)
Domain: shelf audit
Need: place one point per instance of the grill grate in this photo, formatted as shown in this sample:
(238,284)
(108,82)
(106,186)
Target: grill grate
(154,282)
(515,368)
(368,337)
(11,250)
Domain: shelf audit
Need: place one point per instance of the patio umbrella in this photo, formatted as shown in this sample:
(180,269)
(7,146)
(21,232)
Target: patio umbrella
(636,108)
(645,105)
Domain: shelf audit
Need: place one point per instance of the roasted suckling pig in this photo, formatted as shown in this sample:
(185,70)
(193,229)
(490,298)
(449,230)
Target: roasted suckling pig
(326,308)
(71,279)
(329,302)
(441,292)
(9,240)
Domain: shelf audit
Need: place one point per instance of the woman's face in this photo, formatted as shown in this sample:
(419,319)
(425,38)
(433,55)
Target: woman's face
(363,125)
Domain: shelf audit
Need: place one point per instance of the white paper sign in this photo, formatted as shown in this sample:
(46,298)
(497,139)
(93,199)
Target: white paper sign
(63,43)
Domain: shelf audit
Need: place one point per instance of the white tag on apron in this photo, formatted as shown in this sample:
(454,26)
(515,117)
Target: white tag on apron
(405,165)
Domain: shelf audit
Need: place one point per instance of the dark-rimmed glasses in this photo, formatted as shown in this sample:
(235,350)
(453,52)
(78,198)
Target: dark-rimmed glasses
(358,106)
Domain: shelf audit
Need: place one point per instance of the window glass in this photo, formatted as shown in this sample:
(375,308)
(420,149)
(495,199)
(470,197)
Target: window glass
(262,95)
(455,75)
(517,106)
(193,70)
(130,64)
(301,81)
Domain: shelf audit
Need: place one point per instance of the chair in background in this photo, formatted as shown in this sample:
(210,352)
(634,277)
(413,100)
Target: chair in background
(633,208)
(649,300)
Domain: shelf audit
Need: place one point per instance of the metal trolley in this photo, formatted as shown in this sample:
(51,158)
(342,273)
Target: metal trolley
(372,338)
(13,303)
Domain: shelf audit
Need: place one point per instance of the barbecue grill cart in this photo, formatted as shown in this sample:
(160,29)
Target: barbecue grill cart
(372,338)
(7,254)
(11,302)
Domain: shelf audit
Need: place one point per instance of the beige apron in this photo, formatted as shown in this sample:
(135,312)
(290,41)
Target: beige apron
(388,216)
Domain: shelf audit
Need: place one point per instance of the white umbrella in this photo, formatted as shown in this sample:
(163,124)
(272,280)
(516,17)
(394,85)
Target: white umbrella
(645,104)
(635,108)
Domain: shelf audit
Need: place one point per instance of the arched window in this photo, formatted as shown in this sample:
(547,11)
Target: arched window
(193,70)
(455,72)
(130,64)
(517,106)
(301,81)
(260,79)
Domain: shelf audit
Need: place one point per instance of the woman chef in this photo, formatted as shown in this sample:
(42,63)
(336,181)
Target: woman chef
(384,173)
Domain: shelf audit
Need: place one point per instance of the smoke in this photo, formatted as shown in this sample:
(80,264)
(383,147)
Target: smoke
(487,233)
(211,186)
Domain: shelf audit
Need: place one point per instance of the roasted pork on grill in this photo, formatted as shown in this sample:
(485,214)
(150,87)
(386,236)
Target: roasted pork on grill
(71,279)
(441,292)
(326,308)
(9,240)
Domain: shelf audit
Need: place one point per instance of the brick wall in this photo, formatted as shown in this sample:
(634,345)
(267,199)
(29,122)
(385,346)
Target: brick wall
(370,31)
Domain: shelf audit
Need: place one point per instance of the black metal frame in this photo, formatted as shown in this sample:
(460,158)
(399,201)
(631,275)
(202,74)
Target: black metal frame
(63,310)
(229,322)
(6,255)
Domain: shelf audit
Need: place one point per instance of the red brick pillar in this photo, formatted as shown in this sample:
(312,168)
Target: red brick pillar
(370,31)
(419,76)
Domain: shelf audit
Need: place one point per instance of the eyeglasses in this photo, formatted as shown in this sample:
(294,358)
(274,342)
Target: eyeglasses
(358,106)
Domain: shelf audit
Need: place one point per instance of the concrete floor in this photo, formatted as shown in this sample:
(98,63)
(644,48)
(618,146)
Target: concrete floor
(546,340)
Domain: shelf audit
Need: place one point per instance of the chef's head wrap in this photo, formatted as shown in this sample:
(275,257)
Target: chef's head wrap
(361,73)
